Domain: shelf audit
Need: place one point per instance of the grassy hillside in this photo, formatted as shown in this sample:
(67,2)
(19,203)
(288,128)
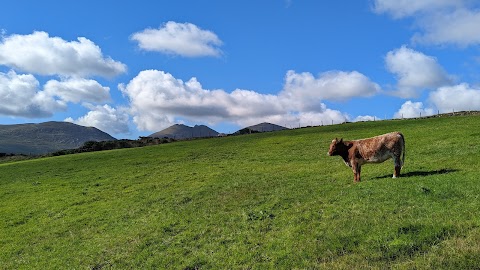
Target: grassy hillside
(270,200)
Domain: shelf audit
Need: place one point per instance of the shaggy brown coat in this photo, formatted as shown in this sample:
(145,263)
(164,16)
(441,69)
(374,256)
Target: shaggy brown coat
(372,150)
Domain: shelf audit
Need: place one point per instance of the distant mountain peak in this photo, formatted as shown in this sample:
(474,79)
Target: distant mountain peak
(262,127)
(42,138)
(181,132)
(266,127)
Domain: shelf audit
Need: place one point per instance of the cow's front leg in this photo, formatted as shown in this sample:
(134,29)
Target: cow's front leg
(356,171)
(359,170)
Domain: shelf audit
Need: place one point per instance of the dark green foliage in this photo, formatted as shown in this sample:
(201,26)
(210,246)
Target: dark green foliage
(93,146)
(244,131)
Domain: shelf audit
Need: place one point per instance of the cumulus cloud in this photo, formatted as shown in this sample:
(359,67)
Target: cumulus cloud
(20,96)
(105,118)
(157,99)
(72,62)
(38,53)
(78,90)
(459,27)
(413,109)
(183,39)
(365,118)
(460,97)
(308,90)
(404,8)
(439,21)
(445,99)
(415,71)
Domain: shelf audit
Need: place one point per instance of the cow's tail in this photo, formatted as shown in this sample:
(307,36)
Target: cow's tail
(403,149)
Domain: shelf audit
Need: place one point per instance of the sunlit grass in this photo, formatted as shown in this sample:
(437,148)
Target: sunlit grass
(272,200)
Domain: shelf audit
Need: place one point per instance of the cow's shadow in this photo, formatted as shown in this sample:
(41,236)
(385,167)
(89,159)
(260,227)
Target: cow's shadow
(421,173)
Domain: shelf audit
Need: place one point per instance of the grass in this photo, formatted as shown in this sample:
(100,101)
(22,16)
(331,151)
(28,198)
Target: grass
(260,201)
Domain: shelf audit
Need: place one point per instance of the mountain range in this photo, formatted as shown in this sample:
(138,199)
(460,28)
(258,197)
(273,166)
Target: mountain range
(42,138)
(48,137)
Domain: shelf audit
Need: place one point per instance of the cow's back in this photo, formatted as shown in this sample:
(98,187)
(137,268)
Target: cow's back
(380,148)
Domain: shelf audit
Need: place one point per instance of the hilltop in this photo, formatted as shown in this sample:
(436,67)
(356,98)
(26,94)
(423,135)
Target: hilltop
(180,132)
(47,137)
(262,127)
(266,127)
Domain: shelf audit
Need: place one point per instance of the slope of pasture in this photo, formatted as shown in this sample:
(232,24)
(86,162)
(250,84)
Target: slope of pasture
(270,200)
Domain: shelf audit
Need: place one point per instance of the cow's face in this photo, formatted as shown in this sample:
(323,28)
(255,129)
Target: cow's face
(335,146)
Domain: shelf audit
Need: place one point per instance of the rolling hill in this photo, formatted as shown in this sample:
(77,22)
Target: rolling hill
(270,200)
(266,127)
(262,127)
(47,137)
(181,132)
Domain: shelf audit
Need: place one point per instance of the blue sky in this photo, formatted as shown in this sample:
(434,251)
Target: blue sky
(131,68)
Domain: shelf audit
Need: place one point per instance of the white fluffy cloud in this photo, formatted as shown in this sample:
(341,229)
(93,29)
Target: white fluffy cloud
(439,21)
(183,39)
(413,109)
(365,118)
(415,71)
(20,96)
(38,53)
(445,99)
(459,27)
(405,8)
(460,97)
(105,118)
(78,90)
(333,85)
(158,99)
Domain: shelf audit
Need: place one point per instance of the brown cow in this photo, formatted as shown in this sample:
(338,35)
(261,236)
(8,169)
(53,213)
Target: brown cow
(372,150)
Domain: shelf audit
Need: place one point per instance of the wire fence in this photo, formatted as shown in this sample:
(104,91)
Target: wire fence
(420,115)
(327,122)
(440,114)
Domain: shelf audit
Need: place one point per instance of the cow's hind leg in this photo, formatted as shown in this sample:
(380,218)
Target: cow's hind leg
(398,167)
(397,172)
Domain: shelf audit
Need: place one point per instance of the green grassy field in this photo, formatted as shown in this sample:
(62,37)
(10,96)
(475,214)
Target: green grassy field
(260,201)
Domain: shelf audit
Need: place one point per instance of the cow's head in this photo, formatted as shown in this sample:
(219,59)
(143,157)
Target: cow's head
(337,147)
